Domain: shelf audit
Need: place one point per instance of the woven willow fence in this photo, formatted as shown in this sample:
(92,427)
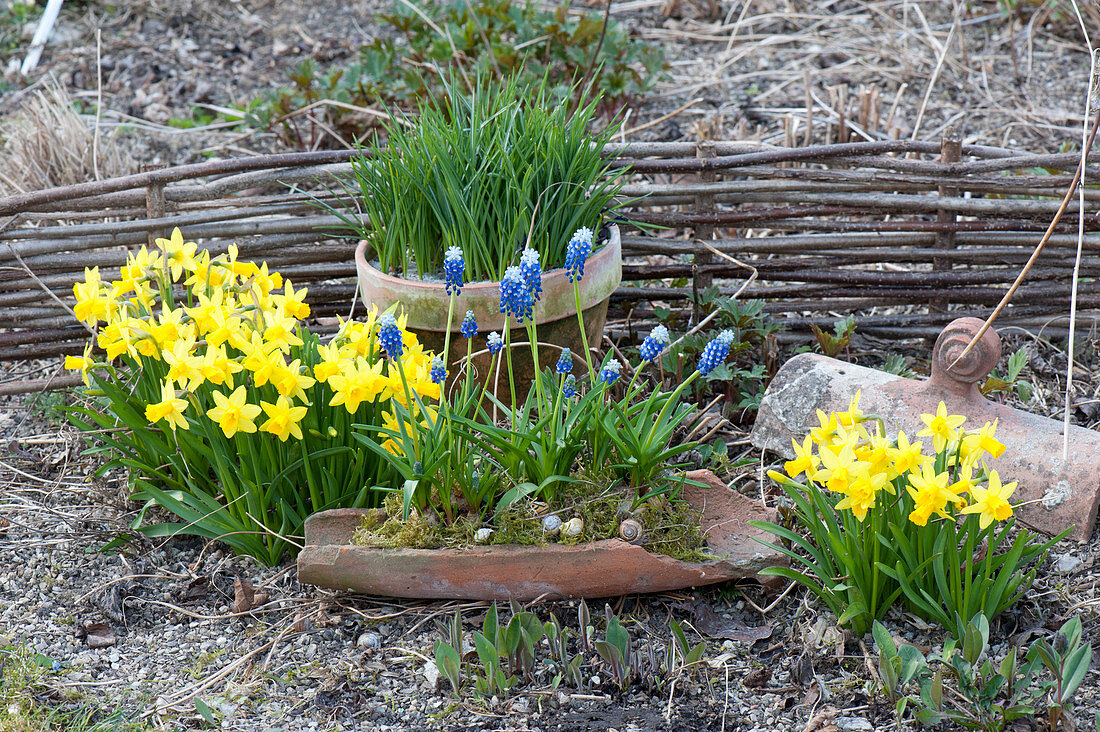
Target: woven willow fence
(908,234)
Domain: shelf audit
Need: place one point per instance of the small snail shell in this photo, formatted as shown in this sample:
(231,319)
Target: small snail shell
(572,528)
(631,530)
(482,536)
(551,524)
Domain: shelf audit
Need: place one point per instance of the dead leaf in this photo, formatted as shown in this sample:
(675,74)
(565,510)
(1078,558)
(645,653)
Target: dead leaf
(757,678)
(802,670)
(98,635)
(714,625)
(243,595)
(822,721)
(196,589)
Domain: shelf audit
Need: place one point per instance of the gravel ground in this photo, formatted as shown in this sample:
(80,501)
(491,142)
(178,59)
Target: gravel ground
(312,659)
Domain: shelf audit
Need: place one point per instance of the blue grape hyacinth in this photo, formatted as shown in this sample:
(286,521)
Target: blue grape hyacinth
(438,373)
(576,253)
(468,329)
(715,353)
(494,342)
(609,374)
(531,271)
(454,266)
(565,361)
(569,388)
(515,298)
(655,343)
(389,336)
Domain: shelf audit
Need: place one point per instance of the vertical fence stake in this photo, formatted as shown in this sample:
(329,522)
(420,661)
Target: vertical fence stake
(154,207)
(950,152)
(704,203)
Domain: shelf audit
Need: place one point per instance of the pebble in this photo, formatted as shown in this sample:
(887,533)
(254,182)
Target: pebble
(1067,564)
(853,724)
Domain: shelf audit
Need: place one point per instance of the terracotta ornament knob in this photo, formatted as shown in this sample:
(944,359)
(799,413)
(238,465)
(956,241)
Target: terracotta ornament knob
(973,367)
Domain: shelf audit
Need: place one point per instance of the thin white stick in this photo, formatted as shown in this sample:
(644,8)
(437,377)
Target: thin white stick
(41,35)
(98,100)
(932,82)
(1080,234)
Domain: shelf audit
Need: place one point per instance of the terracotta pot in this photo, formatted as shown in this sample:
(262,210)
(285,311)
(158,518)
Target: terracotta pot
(605,568)
(426,305)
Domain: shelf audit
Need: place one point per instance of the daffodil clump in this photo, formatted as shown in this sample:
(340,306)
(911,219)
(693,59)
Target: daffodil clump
(237,418)
(923,518)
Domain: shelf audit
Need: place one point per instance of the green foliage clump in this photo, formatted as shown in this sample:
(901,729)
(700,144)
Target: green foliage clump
(13,16)
(982,694)
(744,375)
(469,40)
(500,169)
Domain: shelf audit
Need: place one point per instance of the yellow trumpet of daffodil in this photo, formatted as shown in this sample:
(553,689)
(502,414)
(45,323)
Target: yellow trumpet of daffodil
(283,418)
(179,256)
(358,382)
(930,494)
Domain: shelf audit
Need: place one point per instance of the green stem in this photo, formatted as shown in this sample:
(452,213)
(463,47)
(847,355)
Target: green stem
(584,334)
(532,338)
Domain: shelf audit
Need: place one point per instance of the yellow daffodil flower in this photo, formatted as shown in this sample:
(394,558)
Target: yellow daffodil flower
(838,470)
(983,441)
(178,255)
(908,456)
(293,302)
(804,461)
(330,362)
(357,383)
(992,502)
(853,416)
(169,408)
(232,413)
(217,367)
(941,427)
(283,419)
(930,494)
(291,382)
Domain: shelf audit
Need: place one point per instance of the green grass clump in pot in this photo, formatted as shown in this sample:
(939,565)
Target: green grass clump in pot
(488,171)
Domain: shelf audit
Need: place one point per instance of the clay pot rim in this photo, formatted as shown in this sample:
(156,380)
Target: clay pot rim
(603,273)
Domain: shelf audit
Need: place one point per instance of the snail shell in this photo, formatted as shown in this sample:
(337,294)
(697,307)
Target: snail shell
(551,525)
(572,528)
(631,530)
(482,536)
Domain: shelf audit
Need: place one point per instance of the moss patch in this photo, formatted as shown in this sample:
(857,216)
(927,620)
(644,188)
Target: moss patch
(671,526)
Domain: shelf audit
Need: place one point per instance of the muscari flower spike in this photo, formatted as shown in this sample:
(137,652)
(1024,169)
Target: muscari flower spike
(468,329)
(438,373)
(569,388)
(715,353)
(389,336)
(494,342)
(654,343)
(609,374)
(453,268)
(531,271)
(576,253)
(515,298)
(565,361)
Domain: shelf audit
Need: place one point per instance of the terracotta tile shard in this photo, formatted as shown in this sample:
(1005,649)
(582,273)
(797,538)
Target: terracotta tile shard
(604,568)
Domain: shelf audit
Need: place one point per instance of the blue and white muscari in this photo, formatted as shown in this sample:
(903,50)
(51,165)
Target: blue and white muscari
(715,353)
(454,267)
(565,362)
(531,271)
(389,336)
(468,329)
(515,298)
(655,343)
(438,373)
(609,374)
(569,388)
(577,251)
(494,342)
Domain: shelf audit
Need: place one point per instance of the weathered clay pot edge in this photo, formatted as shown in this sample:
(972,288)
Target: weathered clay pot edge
(604,568)
(426,303)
